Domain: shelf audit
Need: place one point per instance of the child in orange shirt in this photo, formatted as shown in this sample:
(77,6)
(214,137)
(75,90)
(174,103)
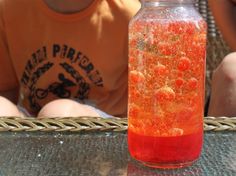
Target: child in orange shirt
(223,95)
(64,58)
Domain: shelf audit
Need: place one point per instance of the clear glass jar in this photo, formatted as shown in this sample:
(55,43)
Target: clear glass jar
(167,52)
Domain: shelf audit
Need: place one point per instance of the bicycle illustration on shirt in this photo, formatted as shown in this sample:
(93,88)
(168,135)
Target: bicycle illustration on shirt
(57,88)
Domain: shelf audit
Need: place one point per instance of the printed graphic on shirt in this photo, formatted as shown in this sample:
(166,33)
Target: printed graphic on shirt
(58,71)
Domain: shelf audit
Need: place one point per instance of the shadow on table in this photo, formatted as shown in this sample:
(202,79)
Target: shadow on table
(136,169)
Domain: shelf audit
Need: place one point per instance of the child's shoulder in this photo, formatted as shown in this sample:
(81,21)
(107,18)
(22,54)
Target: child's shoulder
(15,5)
(12,2)
(130,7)
(128,3)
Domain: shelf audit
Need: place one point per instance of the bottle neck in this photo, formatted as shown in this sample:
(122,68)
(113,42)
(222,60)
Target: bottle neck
(158,3)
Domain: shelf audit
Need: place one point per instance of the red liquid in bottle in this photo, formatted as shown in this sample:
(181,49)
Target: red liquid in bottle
(167,150)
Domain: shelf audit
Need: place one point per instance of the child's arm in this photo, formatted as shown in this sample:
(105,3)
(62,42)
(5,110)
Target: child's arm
(8,80)
(224,12)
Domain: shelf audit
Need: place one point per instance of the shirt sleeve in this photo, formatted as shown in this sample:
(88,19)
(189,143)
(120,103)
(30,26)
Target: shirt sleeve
(8,78)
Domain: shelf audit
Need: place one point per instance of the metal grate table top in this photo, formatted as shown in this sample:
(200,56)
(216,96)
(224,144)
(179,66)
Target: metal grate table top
(100,154)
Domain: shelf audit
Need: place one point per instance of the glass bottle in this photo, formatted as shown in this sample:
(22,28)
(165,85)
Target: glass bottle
(167,52)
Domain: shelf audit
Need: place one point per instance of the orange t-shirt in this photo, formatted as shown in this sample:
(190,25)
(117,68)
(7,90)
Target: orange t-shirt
(80,56)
